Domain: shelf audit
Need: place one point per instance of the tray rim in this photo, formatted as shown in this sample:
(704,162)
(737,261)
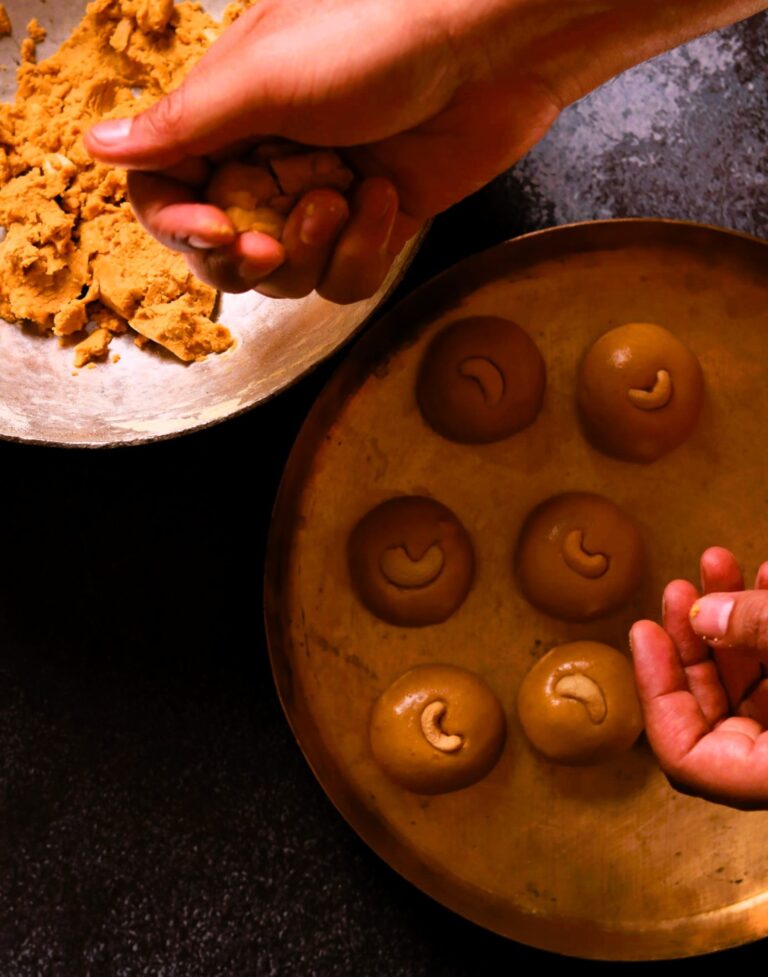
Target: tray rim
(744,921)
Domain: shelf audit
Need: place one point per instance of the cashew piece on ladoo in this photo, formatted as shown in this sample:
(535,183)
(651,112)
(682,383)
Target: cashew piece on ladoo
(433,732)
(400,570)
(658,396)
(585,690)
(592,565)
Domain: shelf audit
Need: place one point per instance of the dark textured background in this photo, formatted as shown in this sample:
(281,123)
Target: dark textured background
(156,817)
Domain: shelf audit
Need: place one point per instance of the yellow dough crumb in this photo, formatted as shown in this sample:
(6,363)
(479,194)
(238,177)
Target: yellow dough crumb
(36,31)
(92,347)
(73,252)
(5,22)
(28,51)
(71,318)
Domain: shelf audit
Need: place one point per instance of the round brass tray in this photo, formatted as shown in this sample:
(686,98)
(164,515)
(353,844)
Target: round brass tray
(605,862)
(150,395)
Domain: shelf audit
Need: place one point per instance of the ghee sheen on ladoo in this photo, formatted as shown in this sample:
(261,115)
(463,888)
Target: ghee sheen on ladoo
(73,253)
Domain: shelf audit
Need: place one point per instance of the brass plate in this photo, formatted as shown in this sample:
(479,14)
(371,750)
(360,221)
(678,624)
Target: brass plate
(150,395)
(605,862)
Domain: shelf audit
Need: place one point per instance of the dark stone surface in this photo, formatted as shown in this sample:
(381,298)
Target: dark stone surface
(156,817)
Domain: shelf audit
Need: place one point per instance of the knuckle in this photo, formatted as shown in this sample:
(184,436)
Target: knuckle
(278,287)
(677,784)
(554,95)
(761,639)
(165,118)
(751,626)
(216,268)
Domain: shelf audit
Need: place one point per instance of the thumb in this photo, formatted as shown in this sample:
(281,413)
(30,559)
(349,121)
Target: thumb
(733,619)
(219,103)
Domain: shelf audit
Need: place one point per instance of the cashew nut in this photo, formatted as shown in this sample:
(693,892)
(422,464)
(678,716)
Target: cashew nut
(659,395)
(55,163)
(585,690)
(433,733)
(400,570)
(488,376)
(586,564)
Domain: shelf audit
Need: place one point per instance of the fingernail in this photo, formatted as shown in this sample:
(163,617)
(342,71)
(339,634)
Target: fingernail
(383,204)
(711,615)
(200,242)
(317,228)
(312,231)
(112,132)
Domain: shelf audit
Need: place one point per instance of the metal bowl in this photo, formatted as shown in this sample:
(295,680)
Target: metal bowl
(150,395)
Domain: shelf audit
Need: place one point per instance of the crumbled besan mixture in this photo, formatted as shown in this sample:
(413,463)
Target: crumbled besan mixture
(37,33)
(74,260)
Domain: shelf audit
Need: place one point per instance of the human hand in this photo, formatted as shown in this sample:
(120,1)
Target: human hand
(431,99)
(702,685)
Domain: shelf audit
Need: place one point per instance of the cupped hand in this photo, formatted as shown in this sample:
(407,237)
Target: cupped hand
(702,686)
(431,100)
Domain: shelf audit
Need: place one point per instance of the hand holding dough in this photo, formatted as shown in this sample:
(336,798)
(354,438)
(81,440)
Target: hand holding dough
(431,101)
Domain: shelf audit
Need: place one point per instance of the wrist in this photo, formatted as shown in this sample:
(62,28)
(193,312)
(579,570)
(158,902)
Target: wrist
(498,40)
(569,47)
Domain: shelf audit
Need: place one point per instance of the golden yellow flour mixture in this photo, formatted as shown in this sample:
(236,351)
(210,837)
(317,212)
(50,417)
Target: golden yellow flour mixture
(74,259)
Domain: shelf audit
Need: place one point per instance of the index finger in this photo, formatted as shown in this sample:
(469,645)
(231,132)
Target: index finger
(170,211)
(720,571)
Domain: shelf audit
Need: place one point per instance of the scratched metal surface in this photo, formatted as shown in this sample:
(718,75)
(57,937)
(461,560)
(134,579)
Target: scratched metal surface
(149,394)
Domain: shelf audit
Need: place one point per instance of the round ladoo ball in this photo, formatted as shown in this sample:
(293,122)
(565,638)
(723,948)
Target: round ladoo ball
(578,704)
(437,728)
(579,557)
(640,392)
(482,379)
(411,561)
